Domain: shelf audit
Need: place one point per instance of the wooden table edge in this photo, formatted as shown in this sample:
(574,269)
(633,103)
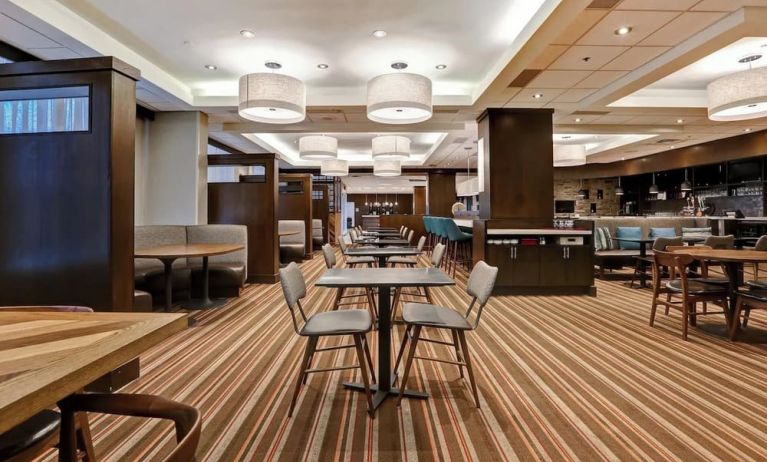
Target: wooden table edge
(233,248)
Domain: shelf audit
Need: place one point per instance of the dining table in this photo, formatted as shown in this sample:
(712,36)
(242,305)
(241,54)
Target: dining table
(47,356)
(384,279)
(732,260)
(644,242)
(381,242)
(382,253)
(167,254)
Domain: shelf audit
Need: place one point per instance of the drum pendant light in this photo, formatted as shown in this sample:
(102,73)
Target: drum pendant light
(569,155)
(334,167)
(386,167)
(391,147)
(317,147)
(399,98)
(272,98)
(739,96)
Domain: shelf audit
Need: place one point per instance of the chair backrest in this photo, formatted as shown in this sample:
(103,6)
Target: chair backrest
(421,243)
(451,229)
(436,255)
(297,228)
(353,234)
(330,256)
(440,225)
(427,224)
(316,227)
(410,236)
(720,242)
(660,243)
(403,232)
(480,286)
(293,284)
(342,244)
(761,244)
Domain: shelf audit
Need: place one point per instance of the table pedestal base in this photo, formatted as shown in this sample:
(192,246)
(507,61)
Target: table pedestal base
(203,304)
(379,396)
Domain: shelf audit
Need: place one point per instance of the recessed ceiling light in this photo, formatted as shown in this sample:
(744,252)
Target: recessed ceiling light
(247,33)
(379,33)
(322,66)
(273,65)
(538,95)
(747,130)
(441,66)
(679,121)
(210,67)
(577,119)
(623,30)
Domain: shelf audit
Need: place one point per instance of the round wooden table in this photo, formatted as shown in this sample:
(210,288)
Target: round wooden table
(733,261)
(167,254)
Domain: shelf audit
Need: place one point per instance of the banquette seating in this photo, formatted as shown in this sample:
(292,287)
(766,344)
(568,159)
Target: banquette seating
(292,245)
(228,272)
(318,237)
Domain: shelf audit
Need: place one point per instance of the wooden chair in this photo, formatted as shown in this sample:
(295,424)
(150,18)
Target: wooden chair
(753,299)
(186,418)
(356,323)
(641,263)
(689,291)
(418,316)
(330,262)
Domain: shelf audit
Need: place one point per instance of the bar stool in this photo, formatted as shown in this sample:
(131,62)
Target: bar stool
(459,246)
(439,233)
(330,262)
(427,228)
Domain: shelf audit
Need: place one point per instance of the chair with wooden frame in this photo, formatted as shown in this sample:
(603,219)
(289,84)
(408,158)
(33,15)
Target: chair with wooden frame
(330,262)
(422,315)
(691,291)
(436,260)
(660,243)
(356,323)
(753,299)
(761,246)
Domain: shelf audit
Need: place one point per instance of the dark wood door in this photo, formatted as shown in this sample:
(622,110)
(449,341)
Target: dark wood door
(525,261)
(580,265)
(555,268)
(500,256)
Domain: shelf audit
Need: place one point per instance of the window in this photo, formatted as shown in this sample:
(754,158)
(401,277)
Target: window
(45,110)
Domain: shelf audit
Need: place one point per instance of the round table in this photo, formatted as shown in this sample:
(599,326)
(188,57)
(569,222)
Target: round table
(167,254)
(732,261)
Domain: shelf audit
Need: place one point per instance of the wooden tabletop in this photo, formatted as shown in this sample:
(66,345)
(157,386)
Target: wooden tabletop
(384,277)
(47,356)
(187,250)
(737,256)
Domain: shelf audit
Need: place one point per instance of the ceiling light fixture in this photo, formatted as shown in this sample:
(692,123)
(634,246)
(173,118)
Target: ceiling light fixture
(334,167)
(739,96)
(379,33)
(569,155)
(623,30)
(619,190)
(247,33)
(387,167)
(441,66)
(391,147)
(317,147)
(211,67)
(399,98)
(322,66)
(679,121)
(686,186)
(746,130)
(577,119)
(654,190)
(272,98)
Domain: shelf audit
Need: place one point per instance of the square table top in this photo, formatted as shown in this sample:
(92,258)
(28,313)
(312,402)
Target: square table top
(382,251)
(47,356)
(384,277)
(399,242)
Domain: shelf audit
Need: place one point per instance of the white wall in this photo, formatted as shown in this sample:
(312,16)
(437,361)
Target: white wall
(171,169)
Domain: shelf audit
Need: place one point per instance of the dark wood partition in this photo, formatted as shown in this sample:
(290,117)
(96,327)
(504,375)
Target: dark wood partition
(253,204)
(414,222)
(297,205)
(419,200)
(66,189)
(441,193)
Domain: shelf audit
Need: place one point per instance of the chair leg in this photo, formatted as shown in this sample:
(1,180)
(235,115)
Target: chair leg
(685,318)
(364,372)
(369,359)
(409,362)
(735,318)
(469,368)
(84,439)
(458,355)
(395,302)
(428,295)
(311,343)
(746,314)
(339,294)
(405,338)
(371,304)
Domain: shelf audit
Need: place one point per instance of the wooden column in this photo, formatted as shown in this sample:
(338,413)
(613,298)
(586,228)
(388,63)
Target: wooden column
(66,198)
(441,193)
(518,165)
(419,200)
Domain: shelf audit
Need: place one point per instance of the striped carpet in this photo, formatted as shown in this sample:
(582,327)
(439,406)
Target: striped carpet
(560,378)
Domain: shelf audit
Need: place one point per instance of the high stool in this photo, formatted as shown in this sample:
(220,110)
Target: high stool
(458,247)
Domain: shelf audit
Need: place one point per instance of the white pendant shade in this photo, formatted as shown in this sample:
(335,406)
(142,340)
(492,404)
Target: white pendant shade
(738,96)
(272,98)
(317,147)
(569,155)
(391,147)
(399,98)
(334,167)
(386,167)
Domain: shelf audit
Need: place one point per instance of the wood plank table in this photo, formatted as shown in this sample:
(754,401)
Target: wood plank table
(167,254)
(384,279)
(382,253)
(47,356)
(733,262)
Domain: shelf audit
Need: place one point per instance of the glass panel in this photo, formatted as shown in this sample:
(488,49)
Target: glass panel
(45,110)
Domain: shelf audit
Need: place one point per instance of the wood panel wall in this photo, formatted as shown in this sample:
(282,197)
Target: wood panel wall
(66,236)
(419,200)
(414,222)
(441,194)
(293,206)
(253,205)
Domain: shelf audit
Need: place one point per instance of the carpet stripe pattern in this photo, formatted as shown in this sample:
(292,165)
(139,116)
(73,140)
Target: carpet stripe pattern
(560,378)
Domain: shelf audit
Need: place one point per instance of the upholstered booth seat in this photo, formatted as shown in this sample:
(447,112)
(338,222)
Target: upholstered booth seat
(142,301)
(292,246)
(318,237)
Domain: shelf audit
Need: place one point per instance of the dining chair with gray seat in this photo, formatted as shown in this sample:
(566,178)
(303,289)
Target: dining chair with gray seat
(330,262)
(408,262)
(353,261)
(354,323)
(418,316)
(436,261)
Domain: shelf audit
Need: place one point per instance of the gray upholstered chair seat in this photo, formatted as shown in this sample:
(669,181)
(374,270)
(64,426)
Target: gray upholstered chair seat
(433,315)
(403,260)
(342,322)
(695,287)
(359,260)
